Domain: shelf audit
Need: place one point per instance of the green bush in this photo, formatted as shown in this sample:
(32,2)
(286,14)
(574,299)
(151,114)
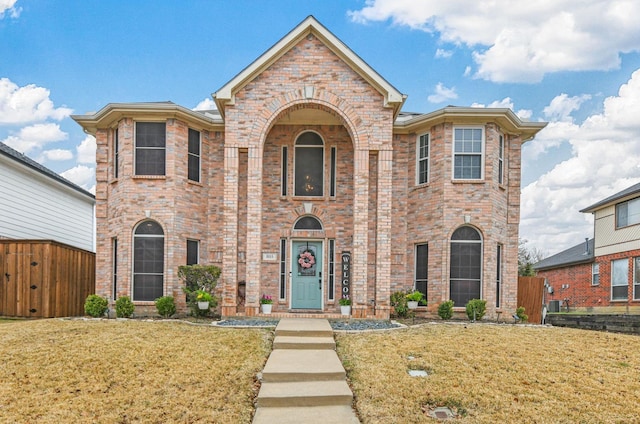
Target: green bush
(445,310)
(198,279)
(520,314)
(124,307)
(480,307)
(95,305)
(399,303)
(166,306)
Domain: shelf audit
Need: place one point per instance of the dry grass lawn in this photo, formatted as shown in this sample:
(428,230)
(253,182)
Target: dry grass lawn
(117,371)
(494,374)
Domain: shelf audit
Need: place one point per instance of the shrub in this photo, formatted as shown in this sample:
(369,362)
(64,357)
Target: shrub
(477,305)
(445,310)
(399,303)
(166,306)
(124,307)
(95,305)
(520,314)
(199,278)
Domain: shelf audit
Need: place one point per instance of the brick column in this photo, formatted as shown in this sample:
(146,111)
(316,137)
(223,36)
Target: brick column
(254,230)
(383,238)
(360,233)
(230,242)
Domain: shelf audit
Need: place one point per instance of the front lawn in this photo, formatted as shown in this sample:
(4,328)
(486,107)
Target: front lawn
(494,374)
(122,371)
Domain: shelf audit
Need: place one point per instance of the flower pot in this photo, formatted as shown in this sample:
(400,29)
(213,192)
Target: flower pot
(266,308)
(412,304)
(345,310)
(203,305)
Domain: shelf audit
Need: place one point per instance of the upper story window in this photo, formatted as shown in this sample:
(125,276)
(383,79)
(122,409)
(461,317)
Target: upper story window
(194,155)
(422,167)
(116,153)
(501,159)
(150,148)
(468,151)
(628,213)
(309,165)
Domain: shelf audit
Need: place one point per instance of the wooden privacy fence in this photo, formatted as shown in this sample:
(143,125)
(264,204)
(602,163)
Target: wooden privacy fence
(530,294)
(44,279)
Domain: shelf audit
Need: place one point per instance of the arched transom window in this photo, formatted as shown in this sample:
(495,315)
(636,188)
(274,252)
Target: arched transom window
(466,265)
(309,166)
(307,223)
(148,261)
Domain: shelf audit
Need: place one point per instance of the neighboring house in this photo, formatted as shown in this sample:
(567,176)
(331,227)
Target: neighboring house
(38,204)
(307,183)
(604,274)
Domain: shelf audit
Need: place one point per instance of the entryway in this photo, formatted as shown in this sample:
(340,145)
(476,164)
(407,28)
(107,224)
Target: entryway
(306,275)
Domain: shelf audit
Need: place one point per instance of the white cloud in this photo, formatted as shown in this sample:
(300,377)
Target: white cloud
(523,114)
(206,104)
(35,137)
(87,150)
(82,176)
(605,159)
(55,155)
(443,54)
(21,105)
(442,94)
(7,7)
(562,106)
(523,42)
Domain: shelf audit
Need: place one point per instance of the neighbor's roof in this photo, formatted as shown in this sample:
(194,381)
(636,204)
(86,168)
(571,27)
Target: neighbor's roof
(226,94)
(626,194)
(575,255)
(12,154)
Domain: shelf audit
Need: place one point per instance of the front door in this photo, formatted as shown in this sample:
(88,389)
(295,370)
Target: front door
(306,275)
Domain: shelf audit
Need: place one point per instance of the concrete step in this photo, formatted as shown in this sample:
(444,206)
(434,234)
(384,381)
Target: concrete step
(298,342)
(307,393)
(341,414)
(303,365)
(304,327)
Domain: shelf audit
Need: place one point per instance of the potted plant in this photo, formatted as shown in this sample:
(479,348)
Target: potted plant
(203,298)
(345,305)
(413,298)
(266,303)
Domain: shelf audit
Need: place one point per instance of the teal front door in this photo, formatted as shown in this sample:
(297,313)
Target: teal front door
(306,275)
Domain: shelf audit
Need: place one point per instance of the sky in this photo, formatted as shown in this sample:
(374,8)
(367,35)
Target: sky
(572,63)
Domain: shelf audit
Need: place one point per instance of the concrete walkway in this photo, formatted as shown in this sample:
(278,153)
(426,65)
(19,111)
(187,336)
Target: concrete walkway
(303,380)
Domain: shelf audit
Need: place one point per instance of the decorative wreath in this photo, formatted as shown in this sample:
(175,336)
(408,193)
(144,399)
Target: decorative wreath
(306,259)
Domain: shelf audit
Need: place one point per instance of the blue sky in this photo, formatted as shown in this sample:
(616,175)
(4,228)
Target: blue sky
(572,63)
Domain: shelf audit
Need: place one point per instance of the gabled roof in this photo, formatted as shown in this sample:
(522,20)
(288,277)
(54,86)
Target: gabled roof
(226,94)
(24,160)
(113,112)
(579,254)
(626,194)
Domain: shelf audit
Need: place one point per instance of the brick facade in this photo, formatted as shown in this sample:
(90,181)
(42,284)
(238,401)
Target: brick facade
(238,212)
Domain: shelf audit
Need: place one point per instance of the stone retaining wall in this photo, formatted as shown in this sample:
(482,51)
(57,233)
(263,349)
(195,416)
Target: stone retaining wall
(629,324)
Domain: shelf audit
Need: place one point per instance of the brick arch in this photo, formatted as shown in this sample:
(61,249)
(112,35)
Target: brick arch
(322,100)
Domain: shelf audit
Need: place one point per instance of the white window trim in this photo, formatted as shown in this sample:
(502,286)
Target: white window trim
(199,156)
(482,152)
(324,170)
(421,159)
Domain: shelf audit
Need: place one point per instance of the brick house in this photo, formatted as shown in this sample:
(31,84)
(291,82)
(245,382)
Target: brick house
(309,181)
(601,275)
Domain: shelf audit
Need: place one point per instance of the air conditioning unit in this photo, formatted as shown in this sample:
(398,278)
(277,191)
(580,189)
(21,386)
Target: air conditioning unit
(554,306)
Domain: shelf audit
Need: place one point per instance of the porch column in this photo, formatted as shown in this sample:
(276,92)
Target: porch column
(254,230)
(230,241)
(383,238)
(360,234)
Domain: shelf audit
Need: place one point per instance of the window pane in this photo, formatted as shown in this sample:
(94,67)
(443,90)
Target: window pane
(309,139)
(149,227)
(147,287)
(467,167)
(194,168)
(194,142)
(633,212)
(422,269)
(619,279)
(285,174)
(462,291)
(308,223)
(192,252)
(150,134)
(465,265)
(466,233)
(149,255)
(150,161)
(309,171)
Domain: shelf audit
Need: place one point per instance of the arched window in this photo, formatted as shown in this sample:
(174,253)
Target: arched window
(148,261)
(309,166)
(466,265)
(307,223)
